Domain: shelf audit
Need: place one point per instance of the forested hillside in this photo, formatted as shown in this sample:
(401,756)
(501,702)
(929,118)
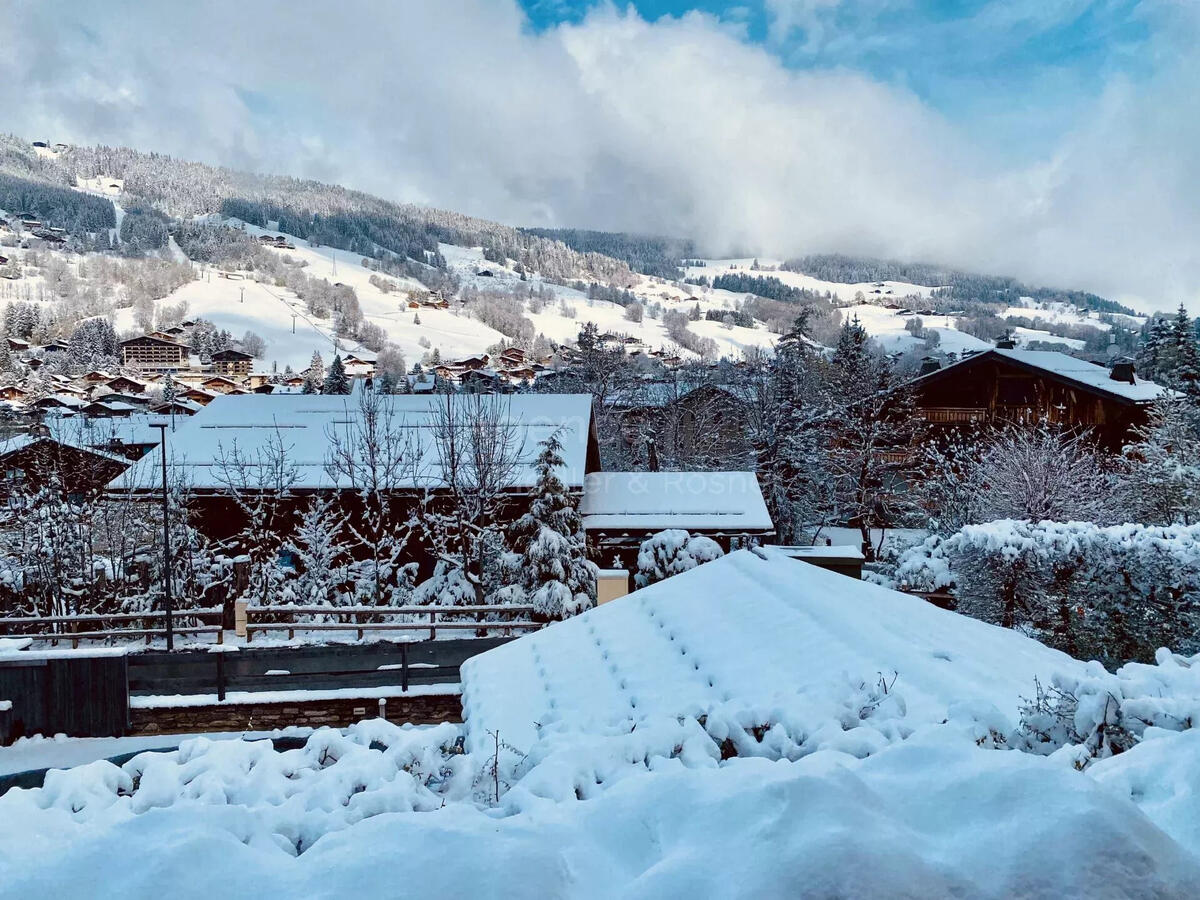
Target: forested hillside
(963,286)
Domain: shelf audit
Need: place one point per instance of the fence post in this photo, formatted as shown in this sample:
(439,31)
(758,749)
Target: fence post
(432,622)
(220,676)
(404,667)
(239,618)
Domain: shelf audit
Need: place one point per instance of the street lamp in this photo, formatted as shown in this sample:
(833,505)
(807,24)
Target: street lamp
(168,605)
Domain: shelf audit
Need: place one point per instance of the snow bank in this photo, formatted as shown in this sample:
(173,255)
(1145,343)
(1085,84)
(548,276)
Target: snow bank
(934,816)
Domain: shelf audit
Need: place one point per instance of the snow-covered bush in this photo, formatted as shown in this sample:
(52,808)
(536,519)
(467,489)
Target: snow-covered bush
(1100,714)
(294,796)
(448,586)
(1114,594)
(673,552)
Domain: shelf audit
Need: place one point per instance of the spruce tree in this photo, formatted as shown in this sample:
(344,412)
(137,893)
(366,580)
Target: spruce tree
(336,381)
(558,578)
(320,556)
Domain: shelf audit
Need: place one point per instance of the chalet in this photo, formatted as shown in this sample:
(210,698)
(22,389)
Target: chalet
(691,420)
(310,422)
(621,509)
(137,400)
(258,379)
(13,392)
(3,260)
(153,352)
(96,377)
(176,407)
(162,336)
(472,362)
(30,462)
(49,237)
(219,384)
(1017,386)
(197,395)
(54,346)
(123,384)
(294,381)
(421,383)
(232,363)
(480,380)
(58,401)
(519,375)
(358,365)
(110,409)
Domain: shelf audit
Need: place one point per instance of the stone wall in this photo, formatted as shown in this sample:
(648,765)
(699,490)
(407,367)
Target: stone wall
(419,710)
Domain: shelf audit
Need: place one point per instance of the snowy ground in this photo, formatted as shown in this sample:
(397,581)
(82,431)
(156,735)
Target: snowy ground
(886,326)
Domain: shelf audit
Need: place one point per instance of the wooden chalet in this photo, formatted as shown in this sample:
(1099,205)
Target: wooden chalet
(232,363)
(220,384)
(30,462)
(123,384)
(1004,385)
(308,422)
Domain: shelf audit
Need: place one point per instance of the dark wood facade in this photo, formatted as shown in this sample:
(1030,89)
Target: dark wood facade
(993,388)
(36,462)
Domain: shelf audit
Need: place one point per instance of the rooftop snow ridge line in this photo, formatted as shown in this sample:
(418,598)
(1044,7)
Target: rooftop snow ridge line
(753,629)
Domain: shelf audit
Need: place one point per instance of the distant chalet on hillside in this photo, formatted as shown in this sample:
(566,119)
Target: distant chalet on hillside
(232,363)
(1008,385)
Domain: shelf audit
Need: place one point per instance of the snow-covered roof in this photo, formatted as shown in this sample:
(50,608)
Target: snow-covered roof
(1069,368)
(755,631)
(694,501)
(307,423)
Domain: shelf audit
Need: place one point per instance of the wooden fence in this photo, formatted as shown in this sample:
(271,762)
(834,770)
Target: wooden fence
(251,620)
(91,626)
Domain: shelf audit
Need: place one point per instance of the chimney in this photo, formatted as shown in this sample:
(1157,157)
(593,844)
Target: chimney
(929,365)
(1122,370)
(1006,343)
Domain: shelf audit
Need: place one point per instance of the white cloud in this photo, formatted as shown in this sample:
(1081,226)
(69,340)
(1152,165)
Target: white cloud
(676,126)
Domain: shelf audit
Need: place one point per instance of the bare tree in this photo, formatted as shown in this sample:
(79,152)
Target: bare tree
(372,458)
(259,484)
(479,449)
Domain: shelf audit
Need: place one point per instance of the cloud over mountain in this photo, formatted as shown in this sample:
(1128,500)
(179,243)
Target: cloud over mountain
(681,125)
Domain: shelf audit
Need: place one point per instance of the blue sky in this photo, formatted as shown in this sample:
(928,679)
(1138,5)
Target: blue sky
(1013,71)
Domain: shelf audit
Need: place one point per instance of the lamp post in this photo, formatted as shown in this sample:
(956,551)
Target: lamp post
(168,605)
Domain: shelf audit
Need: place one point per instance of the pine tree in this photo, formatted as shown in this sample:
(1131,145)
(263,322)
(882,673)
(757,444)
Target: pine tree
(1185,354)
(336,381)
(558,579)
(320,555)
(169,390)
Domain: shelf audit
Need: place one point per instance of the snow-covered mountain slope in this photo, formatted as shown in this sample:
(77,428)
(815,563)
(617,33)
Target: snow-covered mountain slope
(880,291)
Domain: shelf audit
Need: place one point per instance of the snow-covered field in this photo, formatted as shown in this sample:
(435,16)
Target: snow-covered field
(886,326)
(754,727)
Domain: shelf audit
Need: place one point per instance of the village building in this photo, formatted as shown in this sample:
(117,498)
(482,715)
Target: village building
(32,461)
(1005,385)
(154,353)
(309,424)
(220,384)
(232,363)
(622,509)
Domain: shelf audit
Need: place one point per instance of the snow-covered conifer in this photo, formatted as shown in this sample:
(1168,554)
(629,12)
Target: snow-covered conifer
(557,576)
